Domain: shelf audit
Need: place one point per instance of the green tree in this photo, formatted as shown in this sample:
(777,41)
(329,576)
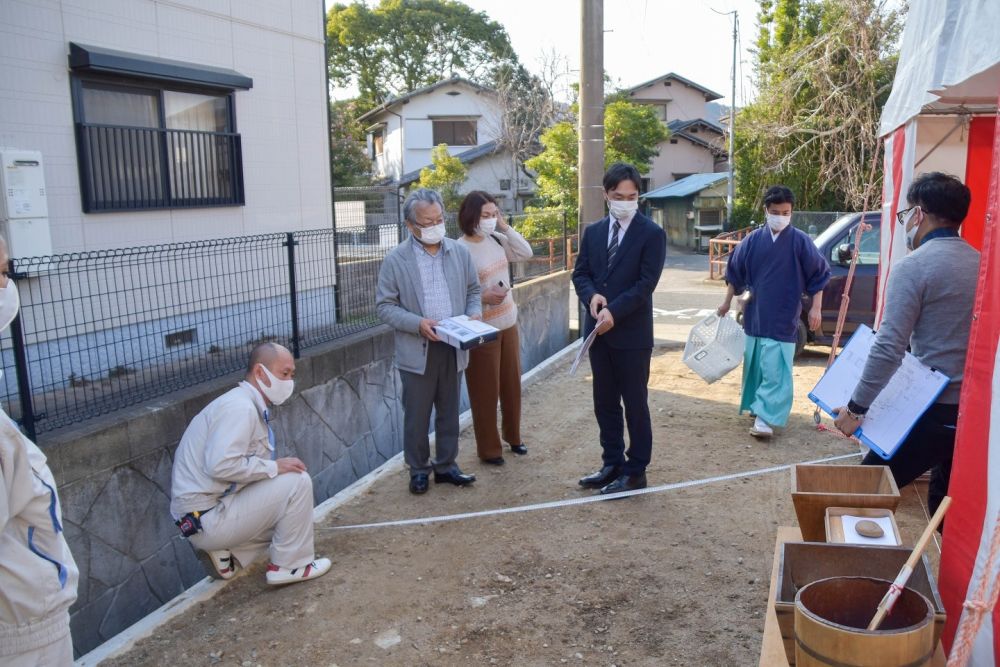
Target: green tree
(631,134)
(402,45)
(555,168)
(825,69)
(541,223)
(349,161)
(446,174)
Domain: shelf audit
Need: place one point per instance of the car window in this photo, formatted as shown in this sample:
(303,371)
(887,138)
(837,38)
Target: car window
(870,242)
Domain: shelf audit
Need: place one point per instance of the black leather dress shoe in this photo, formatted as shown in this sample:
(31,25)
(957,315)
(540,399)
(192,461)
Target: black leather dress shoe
(497,461)
(419,483)
(601,478)
(454,476)
(625,483)
(520,449)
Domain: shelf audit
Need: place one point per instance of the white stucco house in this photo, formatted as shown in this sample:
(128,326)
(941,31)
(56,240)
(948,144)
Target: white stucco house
(159,122)
(402,132)
(697,142)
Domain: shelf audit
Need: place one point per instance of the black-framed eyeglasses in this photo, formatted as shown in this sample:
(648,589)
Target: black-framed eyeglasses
(902,215)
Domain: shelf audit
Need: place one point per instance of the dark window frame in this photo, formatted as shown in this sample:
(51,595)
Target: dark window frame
(155,144)
(438,132)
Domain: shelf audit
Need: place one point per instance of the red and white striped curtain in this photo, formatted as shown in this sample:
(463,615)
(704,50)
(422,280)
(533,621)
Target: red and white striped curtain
(900,155)
(970,560)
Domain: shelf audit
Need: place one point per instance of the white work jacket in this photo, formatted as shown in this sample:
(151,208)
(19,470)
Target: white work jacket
(224,448)
(38,576)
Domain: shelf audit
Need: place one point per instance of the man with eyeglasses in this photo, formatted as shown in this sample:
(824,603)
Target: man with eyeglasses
(425,279)
(928,307)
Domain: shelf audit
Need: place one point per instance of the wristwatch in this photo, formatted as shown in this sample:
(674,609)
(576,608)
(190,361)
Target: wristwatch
(855,411)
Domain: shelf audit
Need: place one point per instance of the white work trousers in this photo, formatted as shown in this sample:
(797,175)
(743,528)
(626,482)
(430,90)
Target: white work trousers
(274,513)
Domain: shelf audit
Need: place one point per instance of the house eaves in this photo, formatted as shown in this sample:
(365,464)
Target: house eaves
(698,141)
(403,99)
(676,126)
(710,95)
(467,157)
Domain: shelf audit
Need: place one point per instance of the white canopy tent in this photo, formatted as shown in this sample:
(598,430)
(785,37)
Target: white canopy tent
(942,116)
(948,74)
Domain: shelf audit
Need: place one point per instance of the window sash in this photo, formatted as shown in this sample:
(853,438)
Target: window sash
(190,158)
(455,132)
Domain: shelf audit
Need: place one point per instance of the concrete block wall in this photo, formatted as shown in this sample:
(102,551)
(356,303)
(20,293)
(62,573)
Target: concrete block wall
(344,420)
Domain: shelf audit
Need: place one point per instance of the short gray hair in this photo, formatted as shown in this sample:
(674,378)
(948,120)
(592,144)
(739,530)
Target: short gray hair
(420,196)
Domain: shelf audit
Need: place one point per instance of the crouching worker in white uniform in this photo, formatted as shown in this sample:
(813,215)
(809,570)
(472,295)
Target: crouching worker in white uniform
(231,496)
(37,573)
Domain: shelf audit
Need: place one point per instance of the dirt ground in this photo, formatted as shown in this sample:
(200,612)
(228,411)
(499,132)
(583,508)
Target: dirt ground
(678,577)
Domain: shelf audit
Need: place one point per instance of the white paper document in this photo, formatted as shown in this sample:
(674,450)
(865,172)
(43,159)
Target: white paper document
(465,333)
(891,417)
(583,350)
(852,536)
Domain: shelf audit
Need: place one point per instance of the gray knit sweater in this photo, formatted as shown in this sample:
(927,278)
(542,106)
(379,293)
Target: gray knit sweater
(928,305)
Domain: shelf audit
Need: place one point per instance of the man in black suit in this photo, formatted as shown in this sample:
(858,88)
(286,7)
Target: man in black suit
(620,261)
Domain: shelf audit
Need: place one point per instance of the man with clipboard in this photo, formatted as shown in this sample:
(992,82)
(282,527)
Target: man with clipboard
(928,306)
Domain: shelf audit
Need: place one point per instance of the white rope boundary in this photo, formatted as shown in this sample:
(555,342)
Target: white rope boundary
(208,587)
(554,504)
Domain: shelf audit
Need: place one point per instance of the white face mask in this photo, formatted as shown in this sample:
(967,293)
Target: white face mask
(777,222)
(432,235)
(279,391)
(911,234)
(622,209)
(487,226)
(9,303)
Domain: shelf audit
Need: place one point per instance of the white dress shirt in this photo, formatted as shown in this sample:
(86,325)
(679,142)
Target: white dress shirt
(224,448)
(624,228)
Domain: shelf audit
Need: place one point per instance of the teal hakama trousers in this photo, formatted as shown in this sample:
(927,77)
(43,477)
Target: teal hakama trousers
(767,379)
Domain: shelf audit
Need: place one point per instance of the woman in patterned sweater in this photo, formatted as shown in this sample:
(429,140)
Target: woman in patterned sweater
(494,370)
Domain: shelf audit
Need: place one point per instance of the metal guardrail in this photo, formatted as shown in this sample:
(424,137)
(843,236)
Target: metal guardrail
(719,249)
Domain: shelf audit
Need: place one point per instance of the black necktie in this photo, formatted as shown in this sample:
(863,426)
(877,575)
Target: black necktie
(613,246)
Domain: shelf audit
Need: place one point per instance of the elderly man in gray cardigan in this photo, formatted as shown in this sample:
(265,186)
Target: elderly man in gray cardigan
(422,281)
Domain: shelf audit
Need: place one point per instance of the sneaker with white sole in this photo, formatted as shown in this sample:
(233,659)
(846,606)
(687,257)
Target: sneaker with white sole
(218,564)
(760,429)
(278,576)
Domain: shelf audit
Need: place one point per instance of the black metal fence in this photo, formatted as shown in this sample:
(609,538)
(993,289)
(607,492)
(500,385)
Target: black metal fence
(100,331)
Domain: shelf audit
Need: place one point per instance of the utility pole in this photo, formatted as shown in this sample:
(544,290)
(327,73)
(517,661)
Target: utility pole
(732,132)
(590,165)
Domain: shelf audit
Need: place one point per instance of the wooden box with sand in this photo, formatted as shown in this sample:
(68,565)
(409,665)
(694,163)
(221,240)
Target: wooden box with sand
(802,563)
(817,487)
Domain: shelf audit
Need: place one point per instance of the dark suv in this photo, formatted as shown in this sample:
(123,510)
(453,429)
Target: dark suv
(836,244)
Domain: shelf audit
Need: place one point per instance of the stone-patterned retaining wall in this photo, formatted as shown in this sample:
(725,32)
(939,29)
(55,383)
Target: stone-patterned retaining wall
(344,421)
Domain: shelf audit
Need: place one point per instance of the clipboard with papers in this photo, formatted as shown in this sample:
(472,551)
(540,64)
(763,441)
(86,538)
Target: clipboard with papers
(906,397)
